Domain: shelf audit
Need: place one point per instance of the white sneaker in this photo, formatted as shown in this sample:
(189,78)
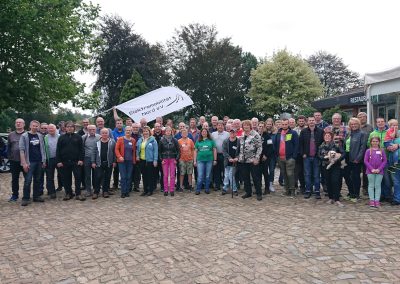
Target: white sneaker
(271,187)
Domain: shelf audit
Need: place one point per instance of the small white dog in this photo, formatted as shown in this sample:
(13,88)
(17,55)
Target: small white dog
(333,157)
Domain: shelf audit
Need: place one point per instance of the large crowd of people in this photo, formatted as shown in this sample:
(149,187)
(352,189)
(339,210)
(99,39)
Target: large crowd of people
(313,157)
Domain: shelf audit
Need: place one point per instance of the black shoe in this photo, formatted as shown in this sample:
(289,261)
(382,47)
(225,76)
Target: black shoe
(246,196)
(53,196)
(197,192)
(236,193)
(143,193)
(59,189)
(24,202)
(395,203)
(223,192)
(207,192)
(190,188)
(38,199)
(259,197)
(307,195)
(318,196)
(123,195)
(136,190)
(166,193)
(150,193)
(172,193)
(127,194)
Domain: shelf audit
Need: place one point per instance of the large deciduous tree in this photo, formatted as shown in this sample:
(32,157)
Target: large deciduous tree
(119,53)
(334,75)
(42,43)
(283,83)
(215,73)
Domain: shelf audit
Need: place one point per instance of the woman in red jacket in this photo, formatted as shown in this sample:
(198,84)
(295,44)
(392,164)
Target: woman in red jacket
(125,150)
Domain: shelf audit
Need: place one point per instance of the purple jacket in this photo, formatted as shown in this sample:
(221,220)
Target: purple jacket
(375,160)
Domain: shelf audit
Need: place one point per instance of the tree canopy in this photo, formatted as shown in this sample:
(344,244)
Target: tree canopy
(42,44)
(283,83)
(215,73)
(335,76)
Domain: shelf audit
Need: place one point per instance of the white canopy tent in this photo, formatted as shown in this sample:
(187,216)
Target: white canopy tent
(379,83)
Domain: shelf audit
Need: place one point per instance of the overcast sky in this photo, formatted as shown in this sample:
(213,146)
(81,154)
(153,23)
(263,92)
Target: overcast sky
(364,33)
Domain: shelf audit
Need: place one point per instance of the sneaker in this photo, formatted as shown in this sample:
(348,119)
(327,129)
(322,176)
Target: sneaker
(246,196)
(236,193)
(339,204)
(123,195)
(223,192)
(172,193)
(190,188)
(67,197)
(106,194)
(88,194)
(307,195)
(53,196)
(13,198)
(371,203)
(354,200)
(318,196)
(347,197)
(271,187)
(24,202)
(165,193)
(80,197)
(259,197)
(59,189)
(207,192)
(330,201)
(95,196)
(143,193)
(136,190)
(197,192)
(150,193)
(377,204)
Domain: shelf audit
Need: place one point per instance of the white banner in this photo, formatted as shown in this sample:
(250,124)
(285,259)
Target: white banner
(155,103)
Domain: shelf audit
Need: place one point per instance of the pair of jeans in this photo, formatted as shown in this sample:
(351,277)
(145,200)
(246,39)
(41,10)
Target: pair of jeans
(333,181)
(89,174)
(41,182)
(264,168)
(271,168)
(15,169)
(287,170)
(103,178)
(50,171)
(229,178)
(169,168)
(125,169)
(311,174)
(203,174)
(299,174)
(35,169)
(396,185)
(136,172)
(246,170)
(374,186)
(116,177)
(354,172)
(386,183)
(218,171)
(147,171)
(67,170)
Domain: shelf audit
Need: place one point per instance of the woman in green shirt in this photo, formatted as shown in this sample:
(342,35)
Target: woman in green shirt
(205,156)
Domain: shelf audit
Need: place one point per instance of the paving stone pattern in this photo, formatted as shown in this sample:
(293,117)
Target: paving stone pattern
(197,239)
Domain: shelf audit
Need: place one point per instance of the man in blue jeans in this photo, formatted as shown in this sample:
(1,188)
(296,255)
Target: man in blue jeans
(309,142)
(33,159)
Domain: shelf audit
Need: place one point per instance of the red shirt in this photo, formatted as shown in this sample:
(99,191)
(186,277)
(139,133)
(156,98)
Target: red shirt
(282,145)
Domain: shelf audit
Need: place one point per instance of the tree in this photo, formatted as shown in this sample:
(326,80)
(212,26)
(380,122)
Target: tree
(42,43)
(306,111)
(118,54)
(334,75)
(285,83)
(213,72)
(133,88)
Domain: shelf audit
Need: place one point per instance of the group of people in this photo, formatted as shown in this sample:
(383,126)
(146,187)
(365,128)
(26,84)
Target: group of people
(313,156)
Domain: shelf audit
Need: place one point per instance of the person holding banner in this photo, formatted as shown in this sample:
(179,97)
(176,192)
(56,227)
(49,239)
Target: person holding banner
(147,156)
(205,156)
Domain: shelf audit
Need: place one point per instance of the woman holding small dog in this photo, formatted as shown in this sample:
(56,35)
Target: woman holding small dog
(331,167)
(375,161)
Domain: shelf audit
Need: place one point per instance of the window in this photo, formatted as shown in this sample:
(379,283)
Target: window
(362,109)
(391,112)
(381,111)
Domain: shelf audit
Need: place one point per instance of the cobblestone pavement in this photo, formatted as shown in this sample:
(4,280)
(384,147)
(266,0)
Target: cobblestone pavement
(197,239)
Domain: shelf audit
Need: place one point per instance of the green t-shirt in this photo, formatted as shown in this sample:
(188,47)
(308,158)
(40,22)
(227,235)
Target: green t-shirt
(205,150)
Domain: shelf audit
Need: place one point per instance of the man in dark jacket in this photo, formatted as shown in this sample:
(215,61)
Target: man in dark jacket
(309,141)
(266,156)
(69,157)
(286,145)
